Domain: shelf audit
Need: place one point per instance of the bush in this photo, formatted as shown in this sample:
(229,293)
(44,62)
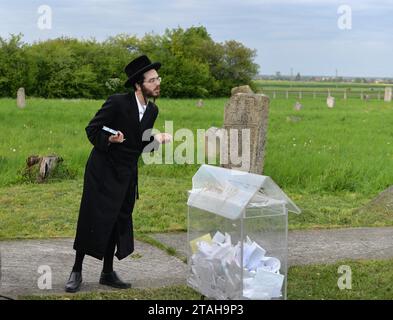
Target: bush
(193,65)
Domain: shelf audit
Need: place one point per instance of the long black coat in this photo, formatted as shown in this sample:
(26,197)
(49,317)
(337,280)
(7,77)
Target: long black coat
(111,176)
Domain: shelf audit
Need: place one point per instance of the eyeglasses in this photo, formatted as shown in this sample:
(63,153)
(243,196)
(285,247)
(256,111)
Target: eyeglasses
(152,80)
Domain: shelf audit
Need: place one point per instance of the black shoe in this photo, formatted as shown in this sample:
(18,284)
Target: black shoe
(113,280)
(74,282)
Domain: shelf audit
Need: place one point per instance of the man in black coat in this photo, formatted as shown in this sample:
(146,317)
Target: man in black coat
(111,173)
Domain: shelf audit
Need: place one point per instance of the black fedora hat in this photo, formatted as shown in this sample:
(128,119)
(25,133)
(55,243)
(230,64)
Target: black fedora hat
(137,67)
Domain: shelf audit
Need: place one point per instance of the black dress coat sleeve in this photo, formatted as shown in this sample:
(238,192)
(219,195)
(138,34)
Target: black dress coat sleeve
(95,134)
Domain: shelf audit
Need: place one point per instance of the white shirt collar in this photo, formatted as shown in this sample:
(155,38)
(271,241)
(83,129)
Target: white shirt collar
(141,107)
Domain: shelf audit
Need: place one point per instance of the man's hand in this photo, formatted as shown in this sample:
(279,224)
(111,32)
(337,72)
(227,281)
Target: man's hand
(117,138)
(163,137)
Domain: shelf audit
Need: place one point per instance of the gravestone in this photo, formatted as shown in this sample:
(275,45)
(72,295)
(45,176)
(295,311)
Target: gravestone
(246,115)
(298,106)
(213,138)
(388,94)
(241,89)
(330,101)
(199,103)
(21,98)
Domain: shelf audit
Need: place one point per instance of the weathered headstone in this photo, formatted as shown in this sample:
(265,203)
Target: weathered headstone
(388,94)
(330,101)
(21,98)
(213,138)
(199,103)
(241,89)
(298,106)
(245,121)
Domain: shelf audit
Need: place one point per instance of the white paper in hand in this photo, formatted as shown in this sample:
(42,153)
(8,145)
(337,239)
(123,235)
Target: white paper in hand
(109,130)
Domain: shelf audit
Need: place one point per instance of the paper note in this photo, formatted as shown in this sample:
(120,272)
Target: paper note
(193,243)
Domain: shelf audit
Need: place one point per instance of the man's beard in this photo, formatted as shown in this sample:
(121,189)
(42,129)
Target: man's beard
(147,93)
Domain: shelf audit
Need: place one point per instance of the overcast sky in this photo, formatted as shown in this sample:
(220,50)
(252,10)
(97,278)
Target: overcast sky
(299,34)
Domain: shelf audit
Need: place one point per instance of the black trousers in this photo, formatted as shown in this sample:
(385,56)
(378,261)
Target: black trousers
(108,257)
(110,251)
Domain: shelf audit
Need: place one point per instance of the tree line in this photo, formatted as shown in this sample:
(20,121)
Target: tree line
(193,65)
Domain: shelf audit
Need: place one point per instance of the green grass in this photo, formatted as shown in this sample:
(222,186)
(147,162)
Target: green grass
(370,280)
(165,293)
(330,162)
(336,210)
(337,89)
(51,210)
(57,127)
(348,148)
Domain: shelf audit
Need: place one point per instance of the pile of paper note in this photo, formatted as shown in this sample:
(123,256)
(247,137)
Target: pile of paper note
(216,269)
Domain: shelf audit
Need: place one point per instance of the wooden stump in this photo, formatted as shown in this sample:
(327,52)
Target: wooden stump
(41,167)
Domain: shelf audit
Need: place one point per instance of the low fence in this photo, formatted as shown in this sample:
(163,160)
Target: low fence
(344,94)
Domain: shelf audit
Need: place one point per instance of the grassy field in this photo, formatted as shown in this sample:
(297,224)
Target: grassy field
(349,148)
(330,161)
(280,89)
(315,85)
(370,280)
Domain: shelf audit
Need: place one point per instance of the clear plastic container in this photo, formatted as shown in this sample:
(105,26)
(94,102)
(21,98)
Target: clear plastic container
(237,235)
